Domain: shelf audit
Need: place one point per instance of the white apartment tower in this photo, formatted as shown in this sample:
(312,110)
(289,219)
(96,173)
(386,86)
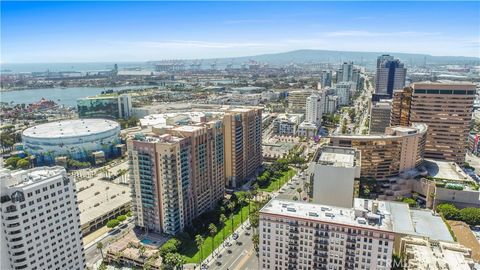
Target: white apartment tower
(40,226)
(314,108)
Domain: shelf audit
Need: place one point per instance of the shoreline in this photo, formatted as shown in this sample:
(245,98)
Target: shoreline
(46,87)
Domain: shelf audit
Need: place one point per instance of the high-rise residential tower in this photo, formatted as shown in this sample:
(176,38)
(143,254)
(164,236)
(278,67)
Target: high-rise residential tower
(176,176)
(390,76)
(40,220)
(326,78)
(314,107)
(447,110)
(243,144)
(345,73)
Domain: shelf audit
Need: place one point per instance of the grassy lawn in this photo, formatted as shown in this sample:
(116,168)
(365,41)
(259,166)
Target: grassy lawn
(277,183)
(192,253)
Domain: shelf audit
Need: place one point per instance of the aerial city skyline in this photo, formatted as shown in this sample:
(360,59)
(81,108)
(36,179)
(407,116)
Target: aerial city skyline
(129,31)
(240,135)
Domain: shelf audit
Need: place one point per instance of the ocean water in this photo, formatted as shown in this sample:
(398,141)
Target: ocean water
(65,96)
(56,67)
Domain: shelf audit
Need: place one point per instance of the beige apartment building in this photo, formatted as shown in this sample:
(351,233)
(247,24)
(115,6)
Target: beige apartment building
(243,144)
(447,110)
(299,235)
(398,150)
(401,103)
(380,116)
(297,100)
(176,176)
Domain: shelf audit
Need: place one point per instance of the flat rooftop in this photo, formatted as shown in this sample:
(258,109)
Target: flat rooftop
(28,177)
(71,128)
(397,217)
(446,170)
(188,128)
(441,256)
(326,213)
(97,198)
(337,156)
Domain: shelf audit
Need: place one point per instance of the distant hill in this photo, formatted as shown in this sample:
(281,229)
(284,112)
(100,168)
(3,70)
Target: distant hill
(367,59)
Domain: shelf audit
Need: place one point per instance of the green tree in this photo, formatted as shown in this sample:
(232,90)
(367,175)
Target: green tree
(213,231)
(231,207)
(112,223)
(100,248)
(299,190)
(172,261)
(122,218)
(249,196)
(199,241)
(411,202)
(470,215)
(449,211)
(241,201)
(231,220)
(23,163)
(171,246)
(12,162)
(223,219)
(141,252)
(256,241)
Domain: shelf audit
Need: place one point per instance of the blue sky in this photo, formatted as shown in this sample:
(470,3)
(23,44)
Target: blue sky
(140,31)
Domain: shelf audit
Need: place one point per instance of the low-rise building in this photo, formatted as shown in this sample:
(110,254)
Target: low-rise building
(307,129)
(100,201)
(286,124)
(423,254)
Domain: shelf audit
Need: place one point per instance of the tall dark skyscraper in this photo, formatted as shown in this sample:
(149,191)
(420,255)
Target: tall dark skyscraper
(391,75)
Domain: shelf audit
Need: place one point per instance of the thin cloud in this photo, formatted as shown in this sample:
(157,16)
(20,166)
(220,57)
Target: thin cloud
(248,21)
(361,33)
(175,44)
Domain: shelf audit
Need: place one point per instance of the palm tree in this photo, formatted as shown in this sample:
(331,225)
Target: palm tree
(299,190)
(213,231)
(100,247)
(255,191)
(199,241)
(306,186)
(241,201)
(248,195)
(256,241)
(231,219)
(141,252)
(223,219)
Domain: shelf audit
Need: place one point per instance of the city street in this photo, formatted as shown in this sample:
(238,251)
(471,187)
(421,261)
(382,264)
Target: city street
(239,255)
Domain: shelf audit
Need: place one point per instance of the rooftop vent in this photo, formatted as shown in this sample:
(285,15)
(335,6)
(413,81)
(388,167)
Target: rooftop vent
(329,214)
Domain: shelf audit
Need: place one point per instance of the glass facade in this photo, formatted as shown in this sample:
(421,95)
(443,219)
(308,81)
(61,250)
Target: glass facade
(101,107)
